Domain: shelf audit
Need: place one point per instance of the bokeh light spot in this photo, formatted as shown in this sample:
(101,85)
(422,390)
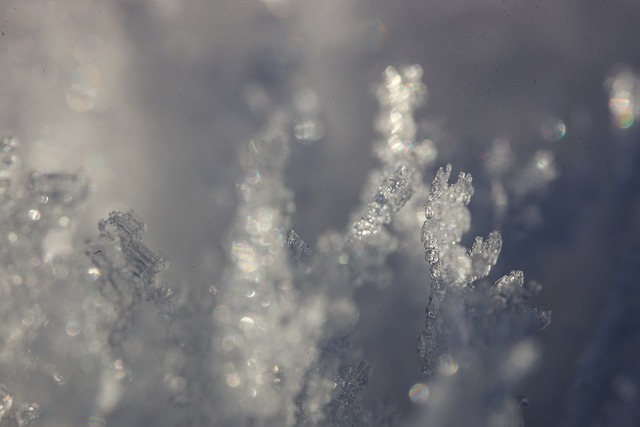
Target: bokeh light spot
(419,393)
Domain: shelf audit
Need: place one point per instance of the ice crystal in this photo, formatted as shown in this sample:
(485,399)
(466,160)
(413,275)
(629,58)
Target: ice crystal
(345,409)
(277,324)
(266,319)
(470,324)
(262,307)
(485,347)
(452,265)
(126,269)
(392,195)
(259,309)
(447,219)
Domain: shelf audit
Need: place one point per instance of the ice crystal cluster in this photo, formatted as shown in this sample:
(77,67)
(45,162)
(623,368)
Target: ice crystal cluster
(275,347)
(65,315)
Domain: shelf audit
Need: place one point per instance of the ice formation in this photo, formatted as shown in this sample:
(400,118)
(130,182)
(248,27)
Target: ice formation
(470,324)
(274,346)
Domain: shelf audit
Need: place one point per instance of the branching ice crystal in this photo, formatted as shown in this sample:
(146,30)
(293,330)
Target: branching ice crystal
(470,324)
(452,265)
(360,257)
(447,219)
(279,287)
(277,350)
(388,189)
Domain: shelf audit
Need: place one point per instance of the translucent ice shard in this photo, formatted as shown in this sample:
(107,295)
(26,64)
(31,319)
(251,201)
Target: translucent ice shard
(126,269)
(484,255)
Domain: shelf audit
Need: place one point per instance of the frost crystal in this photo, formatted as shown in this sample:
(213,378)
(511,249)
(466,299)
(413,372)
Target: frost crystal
(345,408)
(270,340)
(278,287)
(447,219)
(126,269)
(470,324)
(259,311)
(392,195)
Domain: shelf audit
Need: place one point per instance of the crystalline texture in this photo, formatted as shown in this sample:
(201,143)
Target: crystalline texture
(360,258)
(484,255)
(391,187)
(447,219)
(392,195)
(260,310)
(345,409)
(343,262)
(452,265)
(129,268)
(479,324)
(120,236)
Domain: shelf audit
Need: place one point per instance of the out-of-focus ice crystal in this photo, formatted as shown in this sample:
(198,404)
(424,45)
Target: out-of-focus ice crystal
(21,415)
(277,287)
(259,350)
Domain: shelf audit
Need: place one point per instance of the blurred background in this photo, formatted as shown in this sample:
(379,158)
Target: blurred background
(152,98)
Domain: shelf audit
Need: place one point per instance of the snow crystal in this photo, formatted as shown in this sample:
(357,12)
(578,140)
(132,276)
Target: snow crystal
(126,269)
(447,219)
(392,195)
